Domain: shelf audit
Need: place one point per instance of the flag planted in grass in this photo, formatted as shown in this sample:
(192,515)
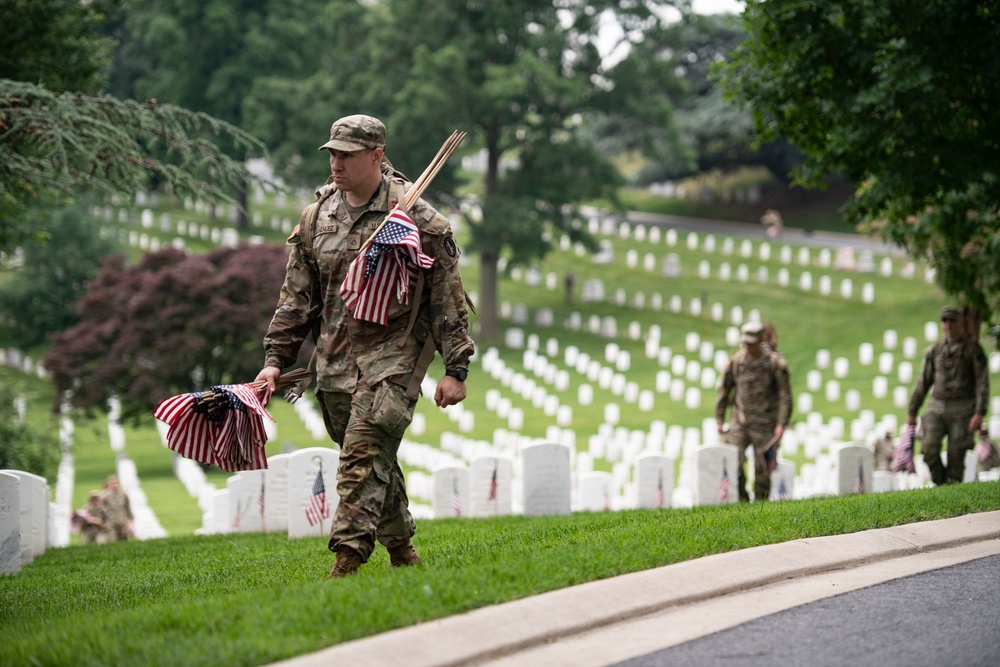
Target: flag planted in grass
(223,426)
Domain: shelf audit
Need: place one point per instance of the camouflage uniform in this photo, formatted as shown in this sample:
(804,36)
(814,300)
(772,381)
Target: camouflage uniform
(365,371)
(957,376)
(885,448)
(119,513)
(759,390)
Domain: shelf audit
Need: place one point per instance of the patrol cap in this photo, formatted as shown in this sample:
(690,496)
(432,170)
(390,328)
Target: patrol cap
(950,313)
(753,332)
(356,133)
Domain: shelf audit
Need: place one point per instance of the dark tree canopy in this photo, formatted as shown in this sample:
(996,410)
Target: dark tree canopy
(901,99)
(167,324)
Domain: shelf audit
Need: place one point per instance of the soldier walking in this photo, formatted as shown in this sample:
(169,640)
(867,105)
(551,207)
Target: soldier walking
(956,375)
(756,384)
(370,359)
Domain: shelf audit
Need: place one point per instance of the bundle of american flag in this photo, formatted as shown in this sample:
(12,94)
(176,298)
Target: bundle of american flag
(902,456)
(389,266)
(223,426)
(388,263)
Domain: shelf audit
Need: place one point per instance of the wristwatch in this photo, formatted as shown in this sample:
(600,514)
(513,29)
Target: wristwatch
(458,373)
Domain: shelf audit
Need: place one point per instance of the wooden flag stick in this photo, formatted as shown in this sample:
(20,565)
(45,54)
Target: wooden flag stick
(423,180)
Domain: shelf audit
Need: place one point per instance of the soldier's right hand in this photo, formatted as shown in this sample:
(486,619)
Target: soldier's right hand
(268,375)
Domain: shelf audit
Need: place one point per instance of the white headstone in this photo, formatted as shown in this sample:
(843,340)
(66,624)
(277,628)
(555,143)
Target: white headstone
(717,475)
(450,497)
(654,476)
(312,503)
(276,494)
(490,486)
(34,513)
(595,491)
(10,523)
(246,500)
(854,466)
(783,481)
(547,479)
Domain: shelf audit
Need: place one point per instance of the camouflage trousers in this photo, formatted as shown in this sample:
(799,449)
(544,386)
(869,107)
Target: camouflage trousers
(947,419)
(369,425)
(742,435)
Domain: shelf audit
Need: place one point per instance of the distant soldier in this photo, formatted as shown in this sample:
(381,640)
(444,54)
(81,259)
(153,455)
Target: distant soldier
(756,383)
(885,447)
(955,373)
(91,520)
(118,509)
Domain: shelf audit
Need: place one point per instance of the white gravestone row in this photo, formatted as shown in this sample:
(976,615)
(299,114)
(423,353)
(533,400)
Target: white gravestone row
(10,523)
(32,515)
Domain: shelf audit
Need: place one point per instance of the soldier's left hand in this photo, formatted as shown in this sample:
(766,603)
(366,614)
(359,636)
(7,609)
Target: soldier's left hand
(975,422)
(450,391)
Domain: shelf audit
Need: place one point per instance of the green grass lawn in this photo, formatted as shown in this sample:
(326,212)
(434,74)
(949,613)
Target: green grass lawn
(250,599)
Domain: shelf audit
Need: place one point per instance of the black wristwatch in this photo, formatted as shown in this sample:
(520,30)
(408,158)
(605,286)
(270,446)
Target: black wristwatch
(458,373)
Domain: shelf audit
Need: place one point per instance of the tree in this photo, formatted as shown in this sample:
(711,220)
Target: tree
(171,323)
(55,144)
(525,78)
(22,447)
(37,300)
(899,98)
(209,56)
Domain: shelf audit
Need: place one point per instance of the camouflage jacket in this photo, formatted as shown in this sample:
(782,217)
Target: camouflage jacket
(953,371)
(758,388)
(348,348)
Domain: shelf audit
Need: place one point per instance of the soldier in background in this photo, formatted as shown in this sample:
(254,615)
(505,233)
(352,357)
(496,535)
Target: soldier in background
(118,509)
(369,374)
(756,384)
(91,520)
(956,375)
(885,447)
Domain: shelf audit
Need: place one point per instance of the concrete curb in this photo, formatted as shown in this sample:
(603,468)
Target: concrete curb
(500,630)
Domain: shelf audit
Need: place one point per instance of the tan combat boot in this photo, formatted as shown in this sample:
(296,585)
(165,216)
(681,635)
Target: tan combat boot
(404,555)
(348,562)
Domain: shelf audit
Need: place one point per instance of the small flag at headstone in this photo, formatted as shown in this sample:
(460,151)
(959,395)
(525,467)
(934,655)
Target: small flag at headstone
(456,502)
(859,482)
(317,509)
(491,495)
(658,498)
(724,484)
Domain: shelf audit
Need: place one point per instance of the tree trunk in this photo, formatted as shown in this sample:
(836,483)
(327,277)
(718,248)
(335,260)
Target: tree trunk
(242,205)
(489,322)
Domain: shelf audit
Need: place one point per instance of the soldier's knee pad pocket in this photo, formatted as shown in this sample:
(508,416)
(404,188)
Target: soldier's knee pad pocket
(392,409)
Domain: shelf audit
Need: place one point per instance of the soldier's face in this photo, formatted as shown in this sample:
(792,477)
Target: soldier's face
(354,170)
(952,328)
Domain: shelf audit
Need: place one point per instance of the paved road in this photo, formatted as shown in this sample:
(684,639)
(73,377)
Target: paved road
(689,608)
(942,617)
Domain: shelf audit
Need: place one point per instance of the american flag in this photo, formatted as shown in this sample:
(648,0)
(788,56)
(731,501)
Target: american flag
(317,509)
(607,498)
(237,517)
(724,484)
(782,490)
(234,441)
(456,502)
(859,482)
(388,266)
(658,498)
(491,495)
(902,456)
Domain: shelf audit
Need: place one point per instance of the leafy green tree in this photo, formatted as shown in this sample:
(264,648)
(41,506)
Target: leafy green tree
(526,79)
(37,300)
(166,324)
(224,58)
(22,447)
(899,98)
(55,144)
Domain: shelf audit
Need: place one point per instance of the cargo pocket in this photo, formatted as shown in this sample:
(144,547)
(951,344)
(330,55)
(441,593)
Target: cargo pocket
(392,409)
